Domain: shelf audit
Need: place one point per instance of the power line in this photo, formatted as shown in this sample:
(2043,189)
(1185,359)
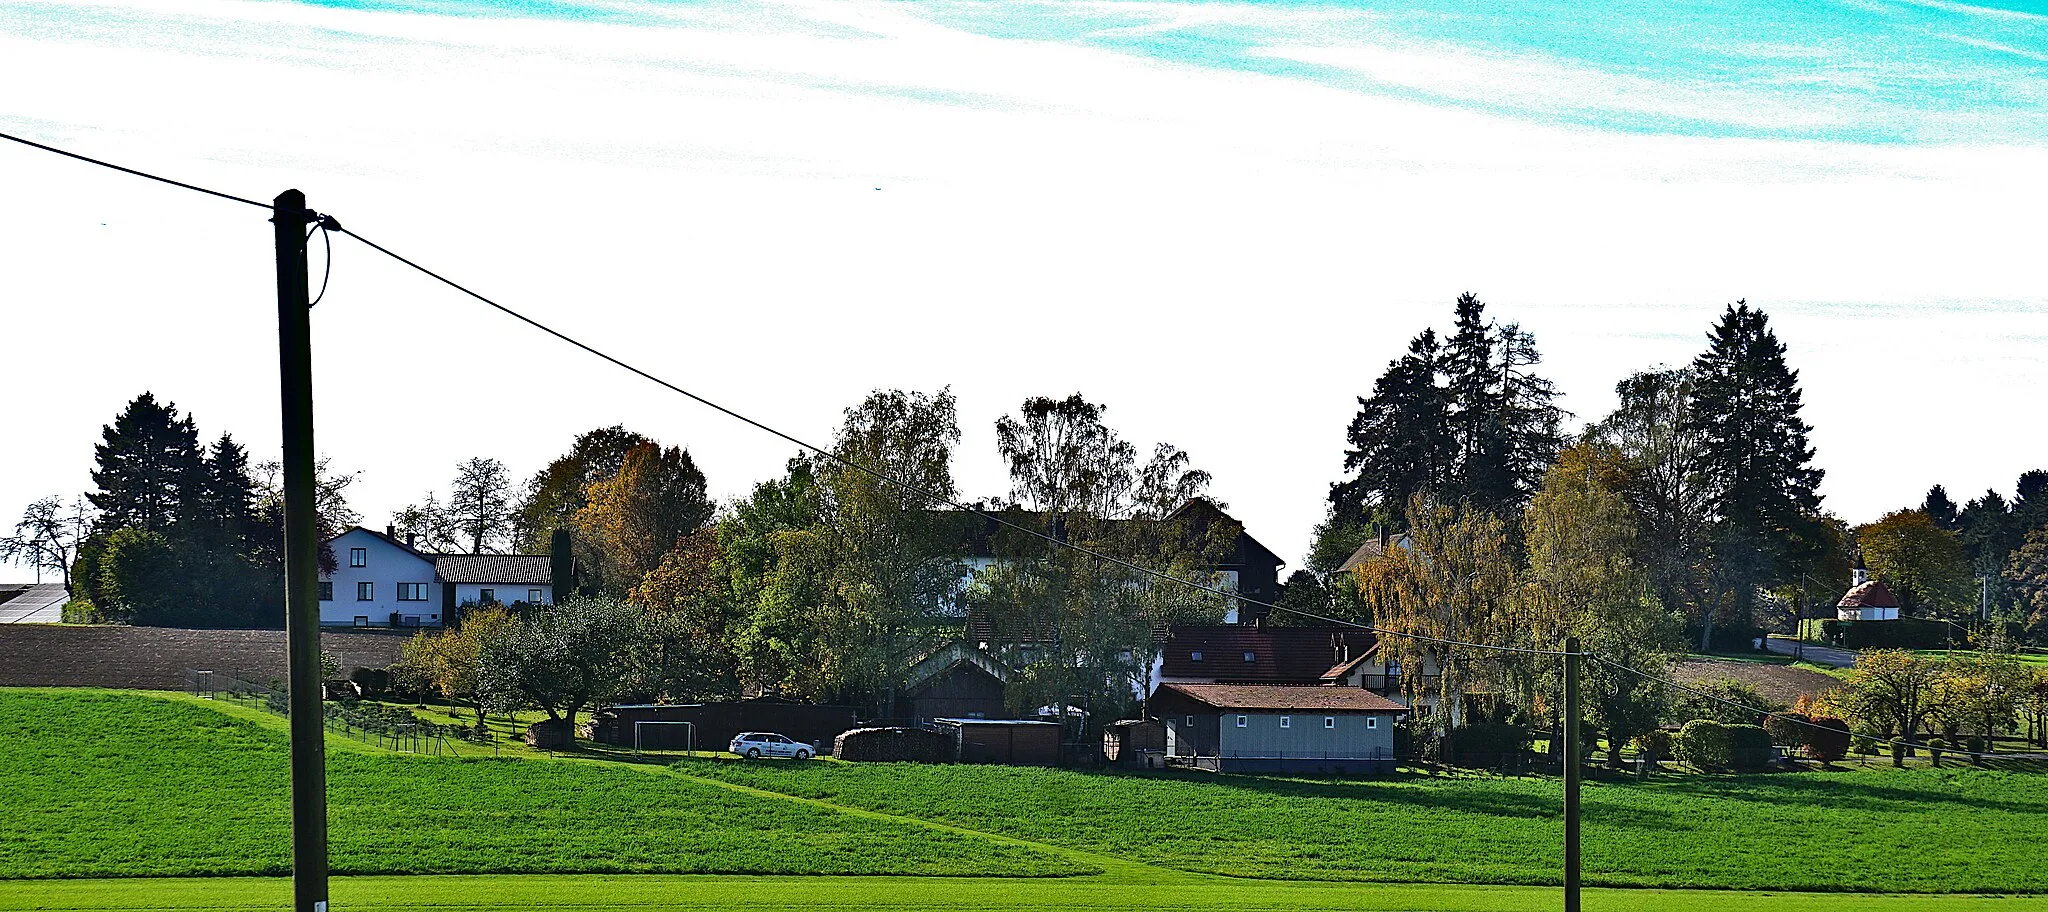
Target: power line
(154,177)
(328,223)
(914,489)
(1789,717)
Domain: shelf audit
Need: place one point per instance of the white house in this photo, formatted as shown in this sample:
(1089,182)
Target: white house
(379,581)
(1867,600)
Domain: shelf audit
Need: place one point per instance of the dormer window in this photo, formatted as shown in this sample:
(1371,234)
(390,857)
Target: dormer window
(1250,656)
(1195,656)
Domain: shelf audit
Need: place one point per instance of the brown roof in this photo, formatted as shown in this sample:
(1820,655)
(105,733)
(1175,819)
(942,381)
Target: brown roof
(1873,594)
(1279,655)
(1370,551)
(1309,697)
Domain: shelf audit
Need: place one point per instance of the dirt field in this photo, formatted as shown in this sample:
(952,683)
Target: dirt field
(155,658)
(1782,683)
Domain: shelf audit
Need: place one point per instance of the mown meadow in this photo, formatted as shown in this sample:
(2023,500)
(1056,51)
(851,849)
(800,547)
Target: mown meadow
(1931,831)
(101,784)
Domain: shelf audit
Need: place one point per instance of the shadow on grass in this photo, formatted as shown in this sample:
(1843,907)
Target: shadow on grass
(1832,792)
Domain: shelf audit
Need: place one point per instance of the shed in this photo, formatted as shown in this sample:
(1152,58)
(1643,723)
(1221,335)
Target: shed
(1014,742)
(1134,742)
(1316,728)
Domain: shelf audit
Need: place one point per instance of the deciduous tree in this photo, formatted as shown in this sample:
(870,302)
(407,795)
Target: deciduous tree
(633,518)
(1921,562)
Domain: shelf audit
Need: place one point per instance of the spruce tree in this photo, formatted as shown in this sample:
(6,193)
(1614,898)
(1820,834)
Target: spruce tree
(1940,508)
(1763,487)
(148,463)
(1401,441)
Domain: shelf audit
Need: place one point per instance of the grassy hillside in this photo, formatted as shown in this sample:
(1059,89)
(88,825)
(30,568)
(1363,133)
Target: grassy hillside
(113,784)
(1911,831)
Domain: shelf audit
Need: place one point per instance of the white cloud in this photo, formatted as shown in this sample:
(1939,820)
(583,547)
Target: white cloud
(1226,258)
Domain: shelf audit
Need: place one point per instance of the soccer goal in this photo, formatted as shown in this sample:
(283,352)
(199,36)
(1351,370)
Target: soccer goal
(640,737)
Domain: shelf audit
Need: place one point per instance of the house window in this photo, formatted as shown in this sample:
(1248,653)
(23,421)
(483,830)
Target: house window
(1191,721)
(362,620)
(1243,721)
(1286,721)
(533,596)
(1329,721)
(327,590)
(1250,656)
(412,592)
(487,596)
(358,557)
(366,592)
(1195,656)
(1372,721)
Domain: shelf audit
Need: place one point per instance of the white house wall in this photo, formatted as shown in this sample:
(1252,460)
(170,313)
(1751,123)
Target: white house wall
(503,593)
(386,566)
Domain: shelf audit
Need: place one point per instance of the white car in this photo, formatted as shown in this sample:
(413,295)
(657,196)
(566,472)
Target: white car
(755,745)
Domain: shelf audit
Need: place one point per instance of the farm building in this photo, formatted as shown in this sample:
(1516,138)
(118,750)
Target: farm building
(1278,727)
(1012,742)
(380,581)
(957,681)
(715,724)
(1134,742)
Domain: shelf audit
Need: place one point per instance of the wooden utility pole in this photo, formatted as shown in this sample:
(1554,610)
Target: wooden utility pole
(1571,774)
(290,217)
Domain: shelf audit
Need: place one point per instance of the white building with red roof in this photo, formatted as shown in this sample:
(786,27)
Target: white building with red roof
(1867,600)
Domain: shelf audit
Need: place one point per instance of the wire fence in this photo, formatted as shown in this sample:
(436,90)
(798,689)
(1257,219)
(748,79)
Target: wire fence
(386,726)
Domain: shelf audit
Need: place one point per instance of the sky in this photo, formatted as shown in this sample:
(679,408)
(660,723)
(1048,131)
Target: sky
(1221,219)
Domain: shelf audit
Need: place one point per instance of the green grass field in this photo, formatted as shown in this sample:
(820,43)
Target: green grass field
(1878,830)
(109,784)
(556,893)
(99,787)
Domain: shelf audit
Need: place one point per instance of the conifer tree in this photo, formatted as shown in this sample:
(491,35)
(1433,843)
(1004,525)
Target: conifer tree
(1940,508)
(1763,487)
(148,463)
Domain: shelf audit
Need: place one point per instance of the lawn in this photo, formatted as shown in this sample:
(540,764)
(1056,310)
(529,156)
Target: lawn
(1878,830)
(96,784)
(1186,893)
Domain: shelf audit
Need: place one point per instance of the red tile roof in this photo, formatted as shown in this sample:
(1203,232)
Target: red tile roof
(1304,697)
(1873,594)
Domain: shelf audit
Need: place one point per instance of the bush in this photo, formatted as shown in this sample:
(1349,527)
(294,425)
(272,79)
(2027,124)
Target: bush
(1487,744)
(1653,745)
(1863,746)
(1904,633)
(1705,744)
(1790,729)
(1699,706)
(1750,747)
(1828,741)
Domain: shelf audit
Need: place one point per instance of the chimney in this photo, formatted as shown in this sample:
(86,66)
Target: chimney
(390,531)
(1386,537)
(409,536)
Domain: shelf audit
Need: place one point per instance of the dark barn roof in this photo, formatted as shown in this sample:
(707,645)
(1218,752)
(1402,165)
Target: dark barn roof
(1280,655)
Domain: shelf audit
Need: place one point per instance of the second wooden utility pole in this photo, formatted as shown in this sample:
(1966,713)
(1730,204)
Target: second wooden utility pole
(1571,774)
(301,556)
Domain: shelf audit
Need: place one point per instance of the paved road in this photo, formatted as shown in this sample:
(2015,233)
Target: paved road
(1819,655)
